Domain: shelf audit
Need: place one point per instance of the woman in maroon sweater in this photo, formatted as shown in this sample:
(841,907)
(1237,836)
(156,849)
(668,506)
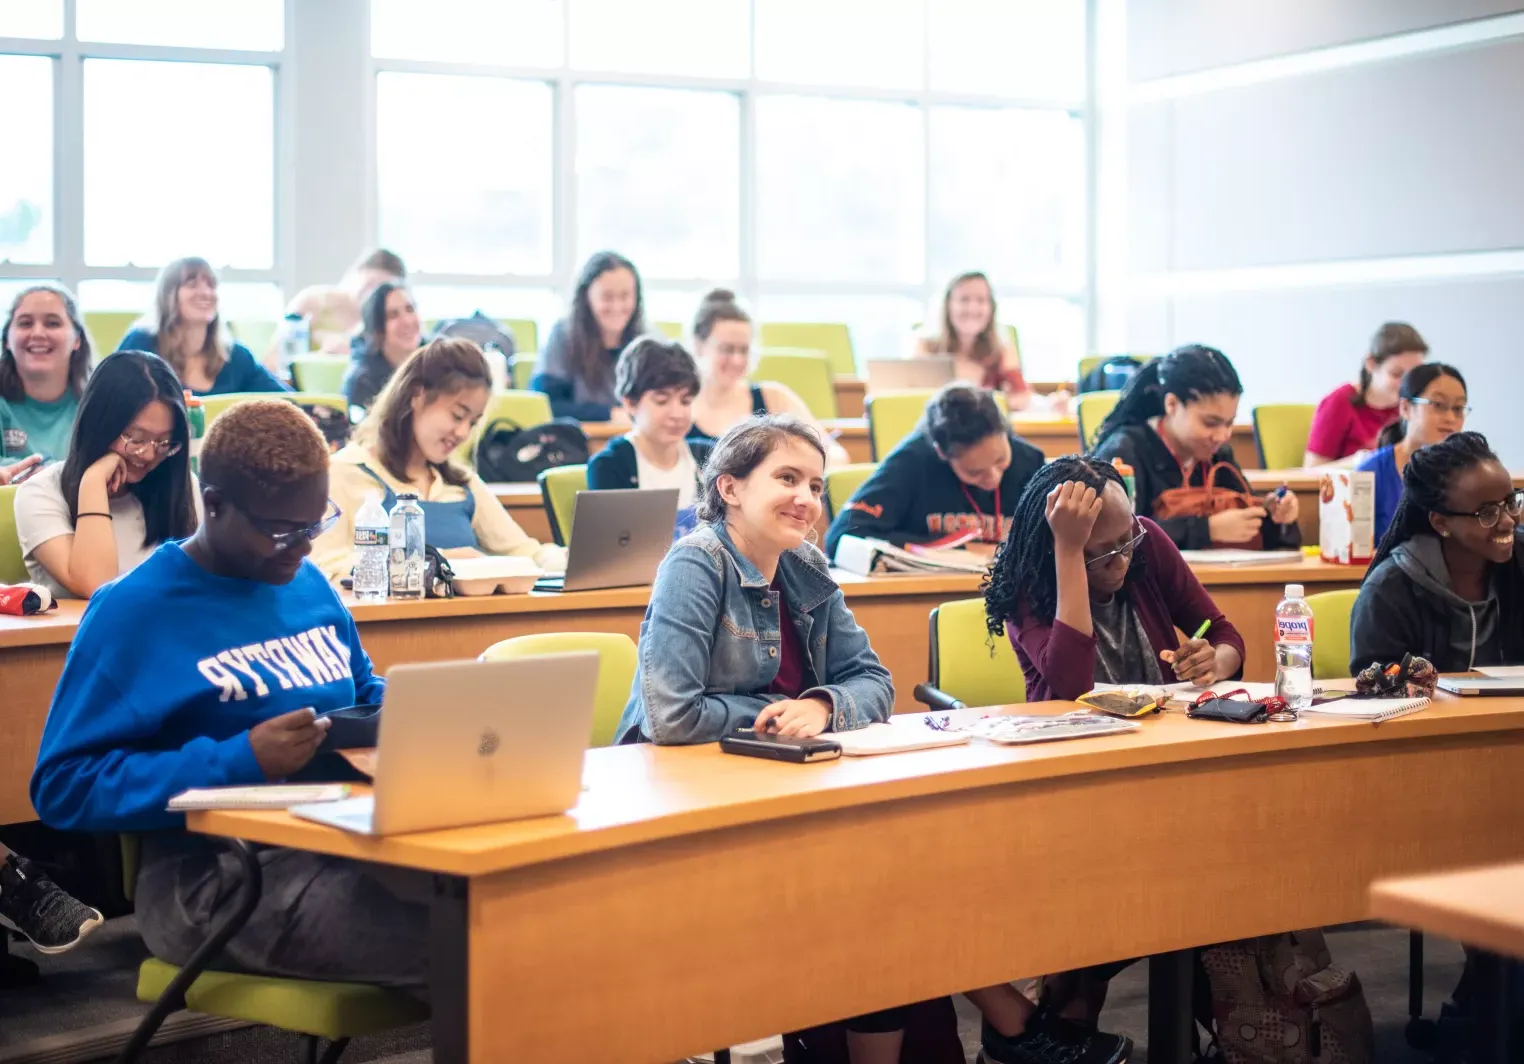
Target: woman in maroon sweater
(1088,592)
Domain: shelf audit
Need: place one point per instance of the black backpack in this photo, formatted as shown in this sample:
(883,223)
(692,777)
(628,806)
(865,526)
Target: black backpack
(481,330)
(508,452)
(333,425)
(1111,375)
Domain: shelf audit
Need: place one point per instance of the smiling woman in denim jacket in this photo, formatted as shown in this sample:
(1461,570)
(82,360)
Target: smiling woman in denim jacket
(746,628)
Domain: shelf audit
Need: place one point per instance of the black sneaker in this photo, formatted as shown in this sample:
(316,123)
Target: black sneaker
(31,903)
(1048,1040)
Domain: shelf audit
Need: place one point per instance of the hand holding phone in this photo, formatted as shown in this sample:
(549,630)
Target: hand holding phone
(749,743)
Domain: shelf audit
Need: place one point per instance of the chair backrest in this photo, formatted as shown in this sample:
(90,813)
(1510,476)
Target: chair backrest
(215,405)
(616,669)
(1330,619)
(1090,409)
(842,483)
(254,334)
(525,408)
(834,338)
(1280,434)
(320,373)
(672,330)
(807,373)
(526,334)
(12,568)
(521,369)
(1089,362)
(894,415)
(558,490)
(106,329)
(962,663)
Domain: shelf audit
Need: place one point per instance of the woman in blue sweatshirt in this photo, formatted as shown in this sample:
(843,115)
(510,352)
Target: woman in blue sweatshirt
(211,664)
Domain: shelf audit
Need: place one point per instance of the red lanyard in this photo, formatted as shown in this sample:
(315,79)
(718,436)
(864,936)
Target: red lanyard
(982,532)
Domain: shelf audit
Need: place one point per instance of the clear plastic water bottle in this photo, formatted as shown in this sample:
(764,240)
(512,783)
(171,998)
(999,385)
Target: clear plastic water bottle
(195,414)
(1293,651)
(406,541)
(296,341)
(372,557)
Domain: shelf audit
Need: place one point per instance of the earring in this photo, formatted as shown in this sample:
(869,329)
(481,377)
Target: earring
(1445,533)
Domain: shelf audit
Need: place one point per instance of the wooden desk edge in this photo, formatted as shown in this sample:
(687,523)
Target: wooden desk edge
(1414,902)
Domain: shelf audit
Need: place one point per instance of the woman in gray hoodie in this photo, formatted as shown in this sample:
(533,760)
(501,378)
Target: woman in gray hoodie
(1447,581)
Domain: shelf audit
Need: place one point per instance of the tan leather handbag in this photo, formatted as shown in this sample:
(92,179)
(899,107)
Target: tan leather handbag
(1208,499)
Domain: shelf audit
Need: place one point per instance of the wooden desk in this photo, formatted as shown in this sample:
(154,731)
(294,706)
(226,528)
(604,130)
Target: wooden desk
(679,866)
(1482,907)
(849,396)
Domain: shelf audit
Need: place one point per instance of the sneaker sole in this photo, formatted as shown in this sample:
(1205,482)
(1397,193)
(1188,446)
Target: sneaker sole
(53,951)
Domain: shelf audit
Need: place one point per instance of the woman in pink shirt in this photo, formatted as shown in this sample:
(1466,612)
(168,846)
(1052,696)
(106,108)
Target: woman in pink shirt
(1350,417)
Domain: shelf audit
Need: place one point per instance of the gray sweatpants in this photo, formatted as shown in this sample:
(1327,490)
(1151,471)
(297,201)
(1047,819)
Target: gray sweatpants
(318,917)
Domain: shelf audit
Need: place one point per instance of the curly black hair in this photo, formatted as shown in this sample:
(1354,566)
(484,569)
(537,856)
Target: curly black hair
(1428,476)
(1187,373)
(1022,580)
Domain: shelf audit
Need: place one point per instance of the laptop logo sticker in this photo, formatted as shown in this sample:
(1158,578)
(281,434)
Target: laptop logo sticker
(488,744)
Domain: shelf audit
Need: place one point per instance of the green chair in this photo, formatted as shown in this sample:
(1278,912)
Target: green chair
(559,487)
(312,1008)
(1089,362)
(256,335)
(523,408)
(214,405)
(12,568)
(833,338)
(1015,340)
(842,483)
(894,415)
(672,330)
(807,374)
(320,373)
(521,369)
(1330,618)
(616,669)
(967,668)
(1280,434)
(1090,409)
(106,329)
(526,334)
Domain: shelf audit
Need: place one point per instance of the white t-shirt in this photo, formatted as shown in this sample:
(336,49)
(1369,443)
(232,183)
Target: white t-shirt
(683,476)
(42,514)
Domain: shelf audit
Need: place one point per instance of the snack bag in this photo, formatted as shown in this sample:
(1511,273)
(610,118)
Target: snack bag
(1347,516)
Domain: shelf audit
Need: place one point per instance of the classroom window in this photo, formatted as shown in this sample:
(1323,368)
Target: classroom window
(502,32)
(1051,333)
(699,38)
(254,25)
(485,205)
(659,178)
(840,190)
(1030,49)
(1007,196)
(26,178)
(237,301)
(864,43)
(38,19)
(218,202)
(437,302)
(881,326)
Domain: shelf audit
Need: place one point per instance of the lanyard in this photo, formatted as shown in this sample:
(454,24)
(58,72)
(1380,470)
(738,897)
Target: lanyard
(982,534)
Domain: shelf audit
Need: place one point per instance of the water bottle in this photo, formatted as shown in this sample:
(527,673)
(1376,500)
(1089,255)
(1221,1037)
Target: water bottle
(296,341)
(405,540)
(372,557)
(195,414)
(1293,652)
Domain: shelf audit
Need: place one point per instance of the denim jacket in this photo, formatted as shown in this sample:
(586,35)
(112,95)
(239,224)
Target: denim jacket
(709,645)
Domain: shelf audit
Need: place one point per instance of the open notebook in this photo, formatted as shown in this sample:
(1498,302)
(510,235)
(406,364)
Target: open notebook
(1372,709)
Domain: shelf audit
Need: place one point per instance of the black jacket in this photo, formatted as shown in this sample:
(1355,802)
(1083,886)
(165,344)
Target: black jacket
(915,497)
(1155,471)
(1394,616)
(615,466)
(369,372)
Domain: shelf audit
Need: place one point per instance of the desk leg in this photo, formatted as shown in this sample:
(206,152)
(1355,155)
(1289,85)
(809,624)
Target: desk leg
(1171,1026)
(1492,1019)
(450,970)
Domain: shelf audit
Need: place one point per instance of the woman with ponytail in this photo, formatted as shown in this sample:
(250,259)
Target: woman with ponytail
(1432,407)
(1447,581)
(1349,418)
(1173,422)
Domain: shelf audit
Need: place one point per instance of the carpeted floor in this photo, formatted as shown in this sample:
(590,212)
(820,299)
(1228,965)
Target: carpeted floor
(93,986)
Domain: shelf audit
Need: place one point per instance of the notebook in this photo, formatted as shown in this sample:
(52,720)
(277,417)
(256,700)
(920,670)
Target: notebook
(274,796)
(1238,556)
(909,731)
(1372,709)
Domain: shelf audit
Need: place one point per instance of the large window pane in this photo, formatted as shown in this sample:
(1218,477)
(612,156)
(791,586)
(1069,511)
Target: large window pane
(1008,195)
(841,42)
(483,207)
(1052,335)
(252,24)
(1025,48)
(218,202)
(701,38)
(659,178)
(840,190)
(250,301)
(26,175)
(540,305)
(31,18)
(881,326)
(506,32)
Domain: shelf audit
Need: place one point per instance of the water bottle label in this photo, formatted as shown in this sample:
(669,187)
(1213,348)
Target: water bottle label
(1293,629)
(371,537)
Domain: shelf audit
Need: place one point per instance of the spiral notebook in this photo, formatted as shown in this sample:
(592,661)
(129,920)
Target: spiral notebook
(267,796)
(1373,709)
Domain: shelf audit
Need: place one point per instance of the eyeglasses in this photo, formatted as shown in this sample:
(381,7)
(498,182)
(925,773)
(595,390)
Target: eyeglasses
(1125,550)
(138,448)
(1490,513)
(1441,408)
(286,540)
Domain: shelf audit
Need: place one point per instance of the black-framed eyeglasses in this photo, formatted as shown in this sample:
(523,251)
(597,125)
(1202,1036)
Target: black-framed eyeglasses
(1441,408)
(1125,550)
(285,540)
(1490,513)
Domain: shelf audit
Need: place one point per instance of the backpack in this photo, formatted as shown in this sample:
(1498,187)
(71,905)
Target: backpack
(1111,375)
(1280,999)
(480,329)
(507,452)
(333,425)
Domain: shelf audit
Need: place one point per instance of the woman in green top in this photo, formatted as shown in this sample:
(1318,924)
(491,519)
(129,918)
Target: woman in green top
(44,360)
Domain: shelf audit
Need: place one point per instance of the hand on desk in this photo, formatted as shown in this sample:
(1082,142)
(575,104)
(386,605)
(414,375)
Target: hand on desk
(1201,663)
(284,744)
(799,717)
(1237,526)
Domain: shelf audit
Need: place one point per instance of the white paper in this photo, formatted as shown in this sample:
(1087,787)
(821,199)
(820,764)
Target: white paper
(902,732)
(1502,672)
(1237,556)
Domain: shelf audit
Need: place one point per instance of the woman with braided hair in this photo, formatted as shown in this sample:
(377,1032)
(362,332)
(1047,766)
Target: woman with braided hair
(1447,581)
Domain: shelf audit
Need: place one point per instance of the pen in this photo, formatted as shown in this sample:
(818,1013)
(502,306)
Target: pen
(1203,629)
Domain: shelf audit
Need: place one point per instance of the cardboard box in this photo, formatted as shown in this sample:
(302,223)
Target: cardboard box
(1347,516)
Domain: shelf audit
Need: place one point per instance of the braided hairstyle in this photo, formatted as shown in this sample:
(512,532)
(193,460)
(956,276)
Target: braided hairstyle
(1187,373)
(1023,580)
(1428,476)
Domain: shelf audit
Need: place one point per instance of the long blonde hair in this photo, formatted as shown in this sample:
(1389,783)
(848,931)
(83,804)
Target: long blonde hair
(986,349)
(164,320)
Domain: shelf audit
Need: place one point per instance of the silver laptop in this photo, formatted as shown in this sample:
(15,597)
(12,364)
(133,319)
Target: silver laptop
(618,539)
(898,374)
(474,742)
(1467,686)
